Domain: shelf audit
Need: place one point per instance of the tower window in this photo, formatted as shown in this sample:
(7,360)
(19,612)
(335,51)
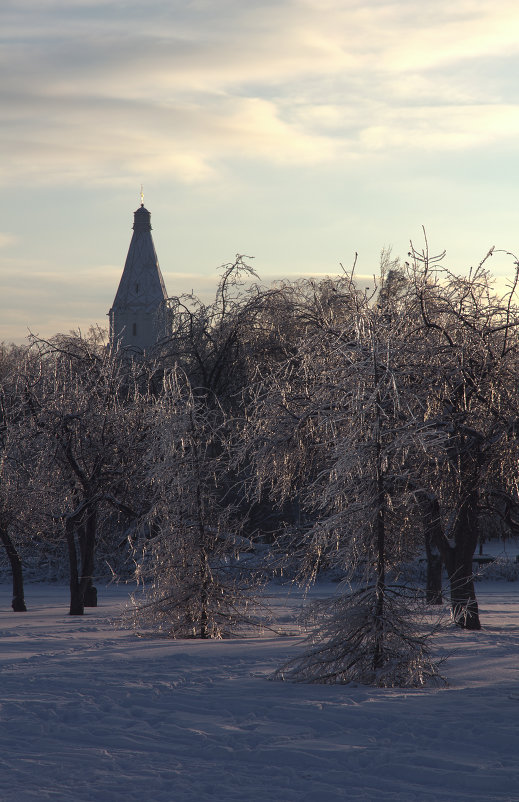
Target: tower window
(134,329)
(136,288)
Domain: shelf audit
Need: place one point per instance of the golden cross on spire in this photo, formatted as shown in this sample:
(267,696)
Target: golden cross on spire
(142,196)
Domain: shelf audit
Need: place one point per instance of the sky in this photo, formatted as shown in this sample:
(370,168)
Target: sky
(297,132)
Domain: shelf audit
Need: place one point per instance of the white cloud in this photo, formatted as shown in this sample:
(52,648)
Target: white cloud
(7,240)
(116,90)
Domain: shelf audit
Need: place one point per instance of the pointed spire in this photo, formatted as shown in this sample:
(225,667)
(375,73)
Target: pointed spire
(139,317)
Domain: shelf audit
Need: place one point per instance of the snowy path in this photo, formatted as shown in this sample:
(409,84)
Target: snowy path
(92,713)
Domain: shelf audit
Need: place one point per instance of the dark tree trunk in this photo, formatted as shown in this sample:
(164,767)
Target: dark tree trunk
(77,603)
(380,592)
(463,595)
(18,601)
(380,587)
(433,585)
(87,542)
(204,594)
(433,534)
(459,566)
(203,556)
(91,595)
(457,559)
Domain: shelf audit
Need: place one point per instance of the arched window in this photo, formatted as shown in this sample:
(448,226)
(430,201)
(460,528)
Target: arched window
(134,329)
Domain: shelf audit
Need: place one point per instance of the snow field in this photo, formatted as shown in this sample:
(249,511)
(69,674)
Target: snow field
(90,712)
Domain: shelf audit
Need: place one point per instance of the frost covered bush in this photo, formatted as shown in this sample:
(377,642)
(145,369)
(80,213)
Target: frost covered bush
(194,585)
(347,636)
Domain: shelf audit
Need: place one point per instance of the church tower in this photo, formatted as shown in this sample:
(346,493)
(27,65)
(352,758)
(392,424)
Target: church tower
(139,317)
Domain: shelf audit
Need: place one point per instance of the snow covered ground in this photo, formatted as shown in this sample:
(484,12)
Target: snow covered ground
(89,712)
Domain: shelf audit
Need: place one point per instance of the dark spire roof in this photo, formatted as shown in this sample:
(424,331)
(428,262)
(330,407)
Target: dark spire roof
(141,286)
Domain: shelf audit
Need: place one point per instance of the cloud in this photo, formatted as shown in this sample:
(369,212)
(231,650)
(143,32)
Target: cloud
(112,91)
(7,240)
(43,300)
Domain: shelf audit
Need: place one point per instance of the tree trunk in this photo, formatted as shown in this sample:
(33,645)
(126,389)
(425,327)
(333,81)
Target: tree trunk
(205,574)
(433,583)
(380,587)
(90,595)
(433,537)
(18,601)
(380,592)
(463,595)
(87,541)
(204,595)
(457,559)
(459,566)
(77,604)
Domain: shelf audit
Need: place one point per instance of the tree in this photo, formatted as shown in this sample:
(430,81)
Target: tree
(86,412)
(13,479)
(11,495)
(337,423)
(196,582)
(467,348)
(222,346)
(209,340)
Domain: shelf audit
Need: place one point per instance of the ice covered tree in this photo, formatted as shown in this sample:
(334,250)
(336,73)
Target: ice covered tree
(195,579)
(336,424)
(13,478)
(466,354)
(23,496)
(211,341)
(221,346)
(85,413)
